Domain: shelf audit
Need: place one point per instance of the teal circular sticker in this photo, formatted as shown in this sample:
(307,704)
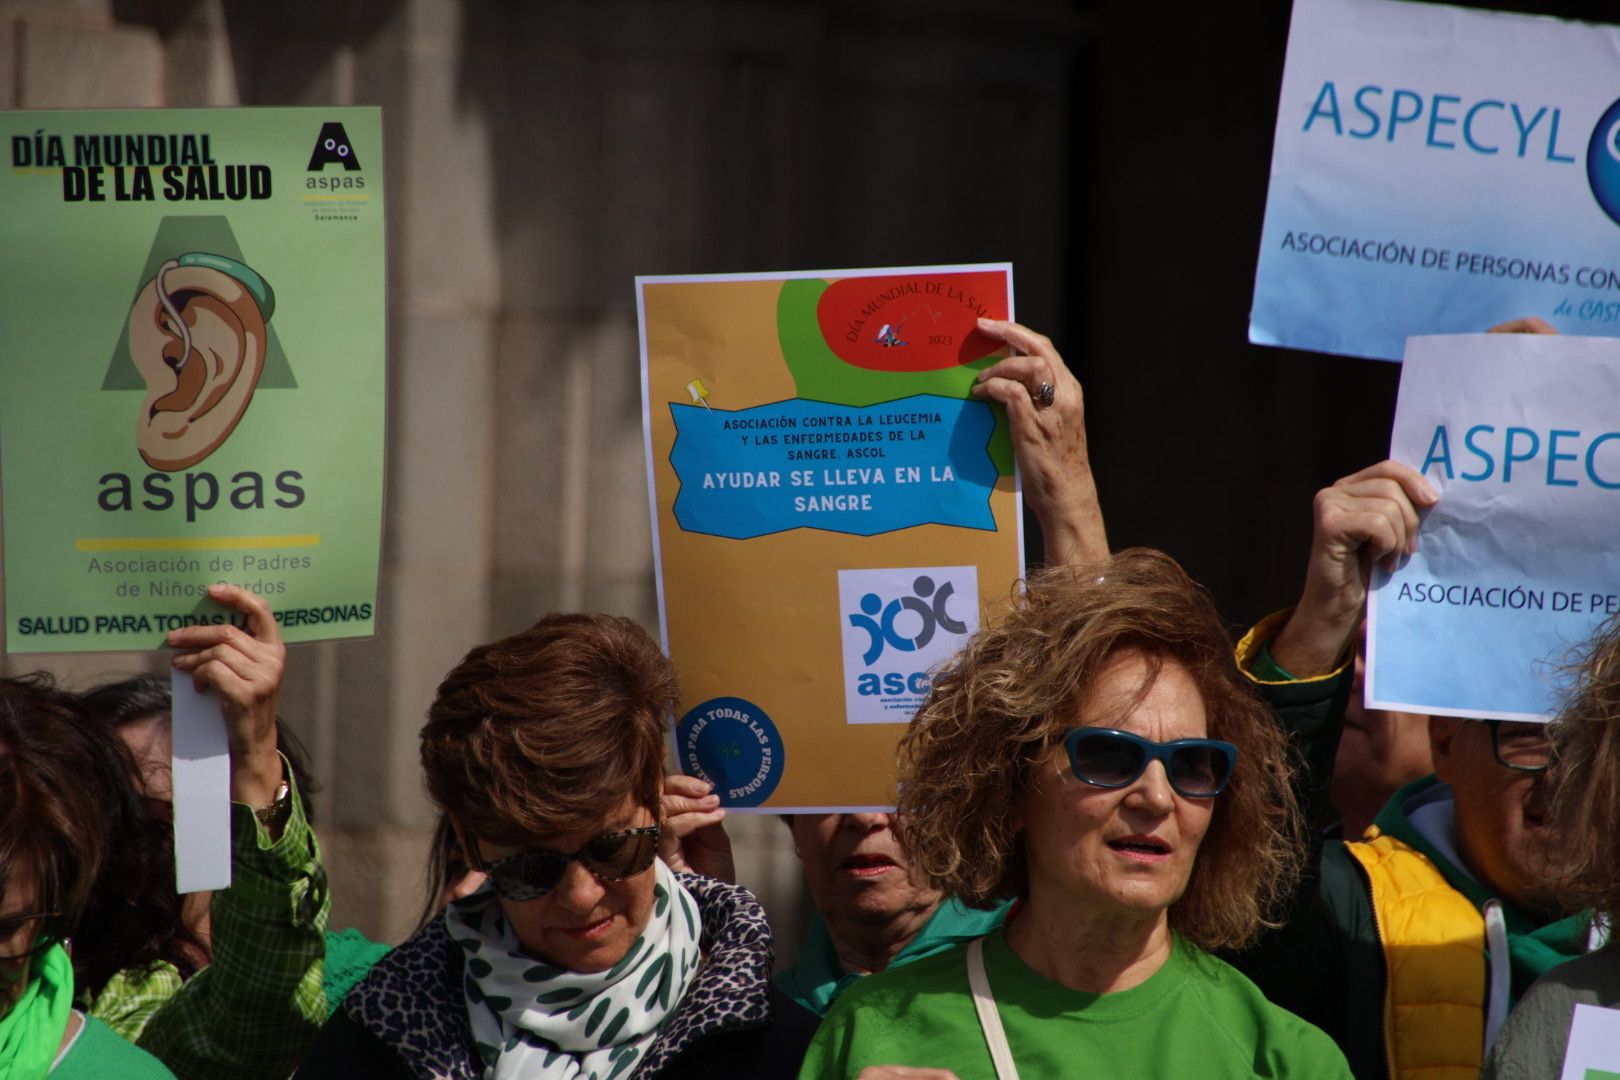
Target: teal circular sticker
(732,744)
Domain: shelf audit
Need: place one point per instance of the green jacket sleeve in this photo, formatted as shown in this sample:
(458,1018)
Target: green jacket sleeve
(1324,963)
(257,1006)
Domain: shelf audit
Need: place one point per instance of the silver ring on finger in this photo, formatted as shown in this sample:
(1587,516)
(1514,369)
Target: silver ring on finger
(1044,395)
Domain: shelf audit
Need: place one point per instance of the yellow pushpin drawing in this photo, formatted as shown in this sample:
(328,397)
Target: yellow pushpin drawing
(699,392)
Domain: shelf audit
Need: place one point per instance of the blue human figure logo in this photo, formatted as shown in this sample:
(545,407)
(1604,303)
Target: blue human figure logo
(929,604)
(871,604)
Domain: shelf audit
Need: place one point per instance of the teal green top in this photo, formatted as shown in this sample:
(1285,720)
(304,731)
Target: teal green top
(818,980)
(1196,1015)
(99,1053)
(350,956)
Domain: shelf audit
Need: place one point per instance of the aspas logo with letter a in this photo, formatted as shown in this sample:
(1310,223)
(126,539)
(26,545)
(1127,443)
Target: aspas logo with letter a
(898,626)
(332,146)
(1603,162)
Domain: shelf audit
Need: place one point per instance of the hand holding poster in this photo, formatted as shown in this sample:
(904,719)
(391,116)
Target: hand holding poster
(191,388)
(1517,564)
(1439,170)
(830,509)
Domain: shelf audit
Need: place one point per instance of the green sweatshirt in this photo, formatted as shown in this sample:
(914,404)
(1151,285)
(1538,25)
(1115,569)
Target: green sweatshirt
(98,1053)
(1195,1016)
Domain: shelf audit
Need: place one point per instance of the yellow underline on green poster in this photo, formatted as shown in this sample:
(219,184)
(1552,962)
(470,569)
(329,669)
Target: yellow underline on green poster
(336,198)
(195,543)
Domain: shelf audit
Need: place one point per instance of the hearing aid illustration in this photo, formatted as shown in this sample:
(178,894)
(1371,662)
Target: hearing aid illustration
(197,336)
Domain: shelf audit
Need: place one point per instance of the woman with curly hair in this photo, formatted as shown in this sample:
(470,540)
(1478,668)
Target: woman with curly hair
(1096,755)
(1584,815)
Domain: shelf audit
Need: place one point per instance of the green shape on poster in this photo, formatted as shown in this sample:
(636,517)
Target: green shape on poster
(819,374)
(1601,1074)
(176,236)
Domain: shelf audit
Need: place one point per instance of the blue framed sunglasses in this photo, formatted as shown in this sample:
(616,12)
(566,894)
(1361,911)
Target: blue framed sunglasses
(1106,758)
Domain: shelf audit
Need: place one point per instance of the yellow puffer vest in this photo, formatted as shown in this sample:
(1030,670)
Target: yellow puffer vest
(1434,960)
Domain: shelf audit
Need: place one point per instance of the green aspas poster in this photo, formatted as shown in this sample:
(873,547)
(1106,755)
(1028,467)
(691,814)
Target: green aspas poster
(191,370)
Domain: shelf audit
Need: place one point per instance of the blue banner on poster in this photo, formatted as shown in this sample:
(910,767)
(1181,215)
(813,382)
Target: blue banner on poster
(1439,170)
(861,470)
(1517,564)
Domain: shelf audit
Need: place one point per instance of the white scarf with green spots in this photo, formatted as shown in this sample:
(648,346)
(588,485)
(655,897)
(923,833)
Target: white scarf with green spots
(530,1019)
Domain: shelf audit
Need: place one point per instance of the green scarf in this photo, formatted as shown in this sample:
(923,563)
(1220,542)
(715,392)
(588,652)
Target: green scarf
(31,1033)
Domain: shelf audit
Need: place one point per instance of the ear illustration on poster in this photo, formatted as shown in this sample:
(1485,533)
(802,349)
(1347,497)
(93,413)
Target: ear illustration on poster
(194,456)
(196,333)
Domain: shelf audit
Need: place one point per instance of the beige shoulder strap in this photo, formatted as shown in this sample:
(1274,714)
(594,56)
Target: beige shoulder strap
(984,1003)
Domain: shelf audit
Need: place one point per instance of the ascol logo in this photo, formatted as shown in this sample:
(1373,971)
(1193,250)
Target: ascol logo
(930,602)
(898,626)
(1603,162)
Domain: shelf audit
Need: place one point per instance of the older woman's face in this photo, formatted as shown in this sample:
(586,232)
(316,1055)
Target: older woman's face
(585,923)
(1126,851)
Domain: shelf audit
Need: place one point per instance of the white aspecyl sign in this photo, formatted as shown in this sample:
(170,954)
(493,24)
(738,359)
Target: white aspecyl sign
(1519,562)
(1439,170)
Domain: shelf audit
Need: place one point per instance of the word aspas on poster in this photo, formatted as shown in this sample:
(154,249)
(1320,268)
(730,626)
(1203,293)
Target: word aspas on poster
(1439,170)
(1517,563)
(191,376)
(831,510)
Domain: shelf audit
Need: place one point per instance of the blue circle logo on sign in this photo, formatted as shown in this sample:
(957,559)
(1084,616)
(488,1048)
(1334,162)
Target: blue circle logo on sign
(732,744)
(1603,162)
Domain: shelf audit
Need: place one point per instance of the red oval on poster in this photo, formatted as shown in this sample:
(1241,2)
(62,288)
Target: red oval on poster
(912,322)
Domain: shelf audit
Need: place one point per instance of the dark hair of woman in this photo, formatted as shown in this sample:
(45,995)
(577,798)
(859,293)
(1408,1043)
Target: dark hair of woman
(69,803)
(136,699)
(446,865)
(133,914)
(51,773)
(136,918)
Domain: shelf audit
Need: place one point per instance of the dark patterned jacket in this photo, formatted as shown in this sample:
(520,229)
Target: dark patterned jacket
(408,1019)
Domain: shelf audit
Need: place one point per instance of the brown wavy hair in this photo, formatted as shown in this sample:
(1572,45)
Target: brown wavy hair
(1585,810)
(1008,698)
(548,730)
(62,783)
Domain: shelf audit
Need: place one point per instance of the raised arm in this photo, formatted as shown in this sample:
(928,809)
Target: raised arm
(257,1006)
(1369,516)
(1046,412)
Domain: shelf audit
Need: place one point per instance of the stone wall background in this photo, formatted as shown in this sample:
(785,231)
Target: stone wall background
(539,155)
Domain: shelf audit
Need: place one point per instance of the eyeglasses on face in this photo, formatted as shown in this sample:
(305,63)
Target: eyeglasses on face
(1106,758)
(1523,747)
(612,856)
(23,937)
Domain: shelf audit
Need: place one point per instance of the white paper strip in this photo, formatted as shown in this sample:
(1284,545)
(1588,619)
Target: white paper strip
(202,790)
